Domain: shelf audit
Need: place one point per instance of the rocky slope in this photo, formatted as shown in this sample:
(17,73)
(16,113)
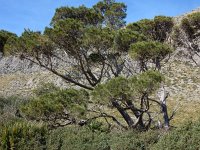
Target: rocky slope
(21,77)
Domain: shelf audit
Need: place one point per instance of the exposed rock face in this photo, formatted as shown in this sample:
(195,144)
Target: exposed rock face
(10,65)
(20,77)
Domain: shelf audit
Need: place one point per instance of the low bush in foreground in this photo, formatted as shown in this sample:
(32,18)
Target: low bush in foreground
(186,137)
(23,136)
(85,139)
(27,136)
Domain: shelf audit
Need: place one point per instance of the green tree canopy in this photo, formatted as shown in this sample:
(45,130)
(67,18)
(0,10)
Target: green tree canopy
(149,52)
(133,87)
(125,37)
(4,37)
(107,13)
(129,94)
(157,29)
(113,13)
(90,46)
(86,15)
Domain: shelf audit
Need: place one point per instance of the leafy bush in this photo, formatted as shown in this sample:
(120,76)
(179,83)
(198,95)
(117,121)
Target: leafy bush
(13,101)
(84,139)
(45,88)
(185,137)
(58,105)
(27,135)
(23,136)
(131,140)
(9,108)
(96,125)
(77,139)
(131,87)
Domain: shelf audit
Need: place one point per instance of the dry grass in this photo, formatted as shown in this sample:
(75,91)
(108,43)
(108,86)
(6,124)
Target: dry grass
(19,83)
(188,111)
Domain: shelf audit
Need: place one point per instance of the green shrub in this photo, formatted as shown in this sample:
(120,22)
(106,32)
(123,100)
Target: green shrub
(186,137)
(74,138)
(60,104)
(134,86)
(23,136)
(96,125)
(45,88)
(9,108)
(12,101)
(131,140)
(83,139)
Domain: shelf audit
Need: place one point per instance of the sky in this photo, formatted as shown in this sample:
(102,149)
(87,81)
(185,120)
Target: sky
(17,15)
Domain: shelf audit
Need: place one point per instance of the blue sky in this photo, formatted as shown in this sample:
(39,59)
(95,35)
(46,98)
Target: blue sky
(16,15)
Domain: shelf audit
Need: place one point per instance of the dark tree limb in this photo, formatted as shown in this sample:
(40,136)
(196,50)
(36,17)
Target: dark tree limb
(58,74)
(102,115)
(124,114)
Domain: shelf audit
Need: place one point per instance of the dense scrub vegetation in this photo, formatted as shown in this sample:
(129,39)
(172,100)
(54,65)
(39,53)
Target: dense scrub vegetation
(108,108)
(25,135)
(4,37)
(22,127)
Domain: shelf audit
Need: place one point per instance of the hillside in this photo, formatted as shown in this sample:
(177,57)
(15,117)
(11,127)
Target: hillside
(21,76)
(90,81)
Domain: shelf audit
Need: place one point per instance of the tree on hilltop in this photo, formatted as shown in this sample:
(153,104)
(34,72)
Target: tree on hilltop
(187,33)
(78,34)
(157,29)
(93,45)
